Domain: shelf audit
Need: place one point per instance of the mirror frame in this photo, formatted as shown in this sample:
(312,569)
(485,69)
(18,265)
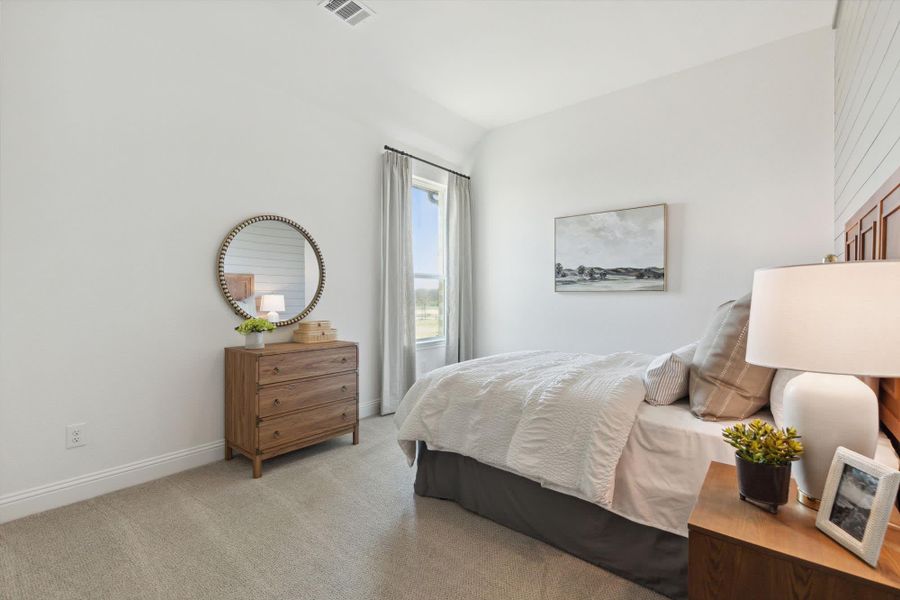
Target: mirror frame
(221,268)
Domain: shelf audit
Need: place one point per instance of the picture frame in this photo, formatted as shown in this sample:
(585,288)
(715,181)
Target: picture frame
(618,250)
(857,502)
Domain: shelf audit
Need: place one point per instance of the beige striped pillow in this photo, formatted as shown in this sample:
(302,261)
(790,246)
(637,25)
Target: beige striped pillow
(723,384)
(666,378)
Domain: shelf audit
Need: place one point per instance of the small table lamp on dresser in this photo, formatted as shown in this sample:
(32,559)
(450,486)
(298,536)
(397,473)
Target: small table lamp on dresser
(834,321)
(272,304)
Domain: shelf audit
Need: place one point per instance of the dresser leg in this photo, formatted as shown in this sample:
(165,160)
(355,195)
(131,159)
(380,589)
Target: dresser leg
(257,467)
(228,453)
(356,435)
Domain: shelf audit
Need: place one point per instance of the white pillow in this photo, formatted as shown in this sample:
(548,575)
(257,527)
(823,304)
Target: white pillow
(776,396)
(666,378)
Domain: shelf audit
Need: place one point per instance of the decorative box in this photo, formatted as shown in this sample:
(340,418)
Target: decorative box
(315,336)
(311,326)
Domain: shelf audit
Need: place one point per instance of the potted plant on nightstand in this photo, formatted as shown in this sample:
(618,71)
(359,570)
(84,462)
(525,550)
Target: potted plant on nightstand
(763,458)
(253,330)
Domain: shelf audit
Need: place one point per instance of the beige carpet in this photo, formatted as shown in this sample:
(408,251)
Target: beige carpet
(334,521)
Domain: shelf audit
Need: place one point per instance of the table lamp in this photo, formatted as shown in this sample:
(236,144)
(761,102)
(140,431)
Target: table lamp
(834,321)
(272,304)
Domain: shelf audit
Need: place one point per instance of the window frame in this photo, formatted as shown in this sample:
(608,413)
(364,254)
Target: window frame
(441,191)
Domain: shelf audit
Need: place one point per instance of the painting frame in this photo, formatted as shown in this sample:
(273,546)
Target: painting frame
(664,207)
(866,544)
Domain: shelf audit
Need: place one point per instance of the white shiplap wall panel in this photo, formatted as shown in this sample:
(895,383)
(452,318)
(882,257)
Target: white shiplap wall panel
(867,85)
(847,66)
(274,253)
(860,127)
(867,104)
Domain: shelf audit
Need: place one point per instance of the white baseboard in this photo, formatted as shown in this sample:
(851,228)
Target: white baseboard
(53,495)
(371,408)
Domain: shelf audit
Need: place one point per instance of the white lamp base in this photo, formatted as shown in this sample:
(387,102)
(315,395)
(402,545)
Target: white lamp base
(272,317)
(828,411)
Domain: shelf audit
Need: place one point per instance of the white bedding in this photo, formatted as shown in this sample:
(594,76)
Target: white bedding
(575,423)
(664,463)
(665,460)
(557,418)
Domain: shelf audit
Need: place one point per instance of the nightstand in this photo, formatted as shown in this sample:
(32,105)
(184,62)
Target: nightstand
(737,550)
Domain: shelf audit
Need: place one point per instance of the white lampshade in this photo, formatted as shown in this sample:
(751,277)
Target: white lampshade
(839,318)
(272,303)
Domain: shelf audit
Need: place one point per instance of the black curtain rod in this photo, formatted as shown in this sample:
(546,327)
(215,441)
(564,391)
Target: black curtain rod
(427,162)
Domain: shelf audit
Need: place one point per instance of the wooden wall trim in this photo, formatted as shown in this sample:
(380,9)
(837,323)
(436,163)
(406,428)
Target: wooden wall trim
(873,216)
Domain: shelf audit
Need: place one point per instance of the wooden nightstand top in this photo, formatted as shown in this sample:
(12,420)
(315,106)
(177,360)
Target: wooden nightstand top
(791,534)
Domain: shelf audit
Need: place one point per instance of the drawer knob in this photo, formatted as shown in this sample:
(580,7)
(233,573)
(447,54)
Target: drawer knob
(276,434)
(343,388)
(343,360)
(344,415)
(277,402)
(276,370)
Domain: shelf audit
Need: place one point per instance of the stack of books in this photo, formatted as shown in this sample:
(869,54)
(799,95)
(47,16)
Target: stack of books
(313,332)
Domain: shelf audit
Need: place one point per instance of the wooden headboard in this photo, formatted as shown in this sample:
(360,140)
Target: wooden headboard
(241,285)
(873,233)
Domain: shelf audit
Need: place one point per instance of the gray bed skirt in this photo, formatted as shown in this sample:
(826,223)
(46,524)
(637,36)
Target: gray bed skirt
(648,556)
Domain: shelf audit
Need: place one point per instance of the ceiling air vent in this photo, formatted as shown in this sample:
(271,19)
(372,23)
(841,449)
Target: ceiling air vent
(349,11)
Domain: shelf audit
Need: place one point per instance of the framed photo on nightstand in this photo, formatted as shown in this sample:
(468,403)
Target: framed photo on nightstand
(856,504)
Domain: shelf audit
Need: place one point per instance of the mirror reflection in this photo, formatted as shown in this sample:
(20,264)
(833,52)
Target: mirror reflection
(271,270)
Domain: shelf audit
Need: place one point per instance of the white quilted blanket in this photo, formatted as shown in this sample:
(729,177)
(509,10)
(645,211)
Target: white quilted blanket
(557,418)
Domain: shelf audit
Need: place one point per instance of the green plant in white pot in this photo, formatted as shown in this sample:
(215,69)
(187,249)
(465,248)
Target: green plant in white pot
(253,330)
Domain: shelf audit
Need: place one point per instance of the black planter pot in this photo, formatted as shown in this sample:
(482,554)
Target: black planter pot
(765,485)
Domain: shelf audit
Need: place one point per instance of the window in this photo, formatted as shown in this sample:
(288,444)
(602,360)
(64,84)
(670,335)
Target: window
(428,217)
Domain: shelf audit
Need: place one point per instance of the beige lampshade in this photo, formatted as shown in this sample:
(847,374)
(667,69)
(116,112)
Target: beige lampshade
(272,302)
(839,318)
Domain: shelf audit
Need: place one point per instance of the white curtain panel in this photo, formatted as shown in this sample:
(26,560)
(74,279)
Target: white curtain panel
(398,326)
(460,322)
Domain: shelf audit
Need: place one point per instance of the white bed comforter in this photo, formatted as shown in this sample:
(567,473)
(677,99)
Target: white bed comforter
(557,418)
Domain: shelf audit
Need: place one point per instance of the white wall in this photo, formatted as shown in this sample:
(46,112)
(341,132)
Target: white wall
(740,149)
(866,105)
(134,136)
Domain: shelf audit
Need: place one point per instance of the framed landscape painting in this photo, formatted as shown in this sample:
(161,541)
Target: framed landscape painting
(612,251)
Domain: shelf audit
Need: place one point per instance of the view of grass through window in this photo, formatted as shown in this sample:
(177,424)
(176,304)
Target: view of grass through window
(428,262)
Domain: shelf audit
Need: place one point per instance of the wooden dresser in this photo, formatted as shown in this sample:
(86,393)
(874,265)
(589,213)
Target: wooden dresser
(288,396)
(738,551)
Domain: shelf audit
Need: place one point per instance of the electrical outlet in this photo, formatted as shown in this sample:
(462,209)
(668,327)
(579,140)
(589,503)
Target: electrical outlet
(75,435)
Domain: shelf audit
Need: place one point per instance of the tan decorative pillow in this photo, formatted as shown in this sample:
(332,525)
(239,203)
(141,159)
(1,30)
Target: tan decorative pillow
(723,384)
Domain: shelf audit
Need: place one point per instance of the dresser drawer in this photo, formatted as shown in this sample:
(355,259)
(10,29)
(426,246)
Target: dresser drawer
(275,368)
(290,428)
(285,397)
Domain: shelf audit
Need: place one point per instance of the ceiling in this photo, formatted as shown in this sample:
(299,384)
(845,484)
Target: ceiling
(497,62)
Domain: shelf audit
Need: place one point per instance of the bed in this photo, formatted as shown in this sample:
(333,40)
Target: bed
(612,480)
